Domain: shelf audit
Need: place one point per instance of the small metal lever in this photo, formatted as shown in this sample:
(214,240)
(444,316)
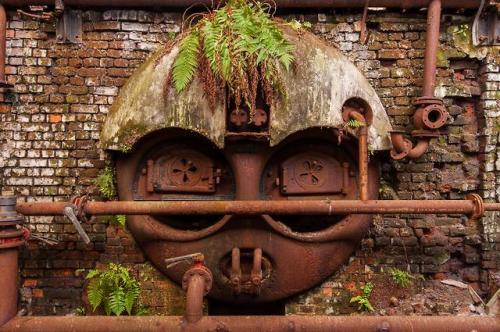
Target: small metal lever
(44,239)
(70,213)
(191,258)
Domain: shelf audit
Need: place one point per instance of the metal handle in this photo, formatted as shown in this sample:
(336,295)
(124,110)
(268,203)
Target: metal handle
(191,258)
(70,213)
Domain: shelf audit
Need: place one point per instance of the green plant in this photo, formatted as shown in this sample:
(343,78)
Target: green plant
(401,278)
(105,181)
(363,300)
(121,219)
(297,25)
(353,123)
(235,47)
(80,311)
(115,290)
(462,30)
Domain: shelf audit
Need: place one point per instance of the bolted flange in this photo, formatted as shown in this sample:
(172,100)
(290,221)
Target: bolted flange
(201,270)
(11,235)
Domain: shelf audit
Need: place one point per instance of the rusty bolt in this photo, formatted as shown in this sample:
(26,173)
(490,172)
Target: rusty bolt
(238,117)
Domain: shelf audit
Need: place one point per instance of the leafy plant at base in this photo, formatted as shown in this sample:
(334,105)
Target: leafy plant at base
(114,290)
(401,278)
(105,182)
(235,47)
(363,299)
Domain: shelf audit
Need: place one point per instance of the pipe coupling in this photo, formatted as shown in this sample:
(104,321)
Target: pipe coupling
(202,271)
(479,209)
(11,234)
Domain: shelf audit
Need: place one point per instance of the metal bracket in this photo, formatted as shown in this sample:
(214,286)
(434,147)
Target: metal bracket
(486,26)
(70,213)
(69,27)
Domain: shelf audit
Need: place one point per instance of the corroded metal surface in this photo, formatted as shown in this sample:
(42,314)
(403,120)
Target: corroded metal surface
(251,176)
(315,99)
(11,237)
(257,323)
(286,207)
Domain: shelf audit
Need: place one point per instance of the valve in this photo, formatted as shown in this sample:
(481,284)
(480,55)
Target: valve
(70,211)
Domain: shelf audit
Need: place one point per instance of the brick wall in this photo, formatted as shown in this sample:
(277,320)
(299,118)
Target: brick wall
(51,124)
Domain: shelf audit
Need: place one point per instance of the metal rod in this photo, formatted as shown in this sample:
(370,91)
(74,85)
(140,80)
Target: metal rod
(431,47)
(404,4)
(288,207)
(3,46)
(256,323)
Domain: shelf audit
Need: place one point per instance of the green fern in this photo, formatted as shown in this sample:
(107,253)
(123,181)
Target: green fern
(353,123)
(363,300)
(105,182)
(237,40)
(114,290)
(401,278)
(186,61)
(121,219)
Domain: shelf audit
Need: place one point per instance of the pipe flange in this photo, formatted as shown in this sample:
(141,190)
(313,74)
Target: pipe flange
(203,272)
(8,213)
(478,212)
(425,133)
(401,155)
(428,100)
(434,116)
(12,238)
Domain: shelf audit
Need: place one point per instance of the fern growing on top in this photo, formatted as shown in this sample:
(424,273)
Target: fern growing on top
(236,47)
(114,290)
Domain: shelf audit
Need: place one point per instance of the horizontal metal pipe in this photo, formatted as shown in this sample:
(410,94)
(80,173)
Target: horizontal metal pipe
(319,207)
(279,3)
(256,323)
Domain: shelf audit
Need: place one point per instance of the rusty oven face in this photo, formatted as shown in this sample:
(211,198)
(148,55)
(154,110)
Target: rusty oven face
(253,259)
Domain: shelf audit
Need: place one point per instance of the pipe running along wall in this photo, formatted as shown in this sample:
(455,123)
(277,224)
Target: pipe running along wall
(351,114)
(305,207)
(3,46)
(404,4)
(256,323)
(430,114)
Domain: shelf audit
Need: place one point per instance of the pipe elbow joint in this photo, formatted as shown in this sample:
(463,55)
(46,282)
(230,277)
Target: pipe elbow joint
(403,147)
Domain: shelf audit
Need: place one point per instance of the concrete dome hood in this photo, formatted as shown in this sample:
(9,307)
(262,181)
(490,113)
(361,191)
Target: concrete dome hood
(317,88)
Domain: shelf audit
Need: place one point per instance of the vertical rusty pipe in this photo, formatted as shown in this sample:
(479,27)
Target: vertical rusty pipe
(363,162)
(431,47)
(194,298)
(11,237)
(8,284)
(351,113)
(247,167)
(3,45)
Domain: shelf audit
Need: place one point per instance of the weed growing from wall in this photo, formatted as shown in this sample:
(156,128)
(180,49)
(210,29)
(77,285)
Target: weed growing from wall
(114,290)
(363,300)
(105,182)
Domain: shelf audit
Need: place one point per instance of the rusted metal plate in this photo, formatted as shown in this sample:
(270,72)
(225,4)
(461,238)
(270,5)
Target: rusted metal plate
(180,170)
(312,173)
